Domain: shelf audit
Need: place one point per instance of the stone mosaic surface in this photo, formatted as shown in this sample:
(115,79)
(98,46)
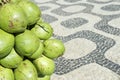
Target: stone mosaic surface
(90,30)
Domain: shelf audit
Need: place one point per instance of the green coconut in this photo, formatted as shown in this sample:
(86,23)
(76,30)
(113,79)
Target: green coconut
(43,30)
(26,43)
(6,74)
(26,71)
(6,43)
(12,60)
(38,52)
(44,65)
(53,48)
(32,11)
(12,18)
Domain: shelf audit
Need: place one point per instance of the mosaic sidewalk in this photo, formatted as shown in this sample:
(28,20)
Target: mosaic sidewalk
(90,30)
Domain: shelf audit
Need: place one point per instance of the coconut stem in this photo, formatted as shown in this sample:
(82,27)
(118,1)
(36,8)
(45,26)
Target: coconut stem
(2,2)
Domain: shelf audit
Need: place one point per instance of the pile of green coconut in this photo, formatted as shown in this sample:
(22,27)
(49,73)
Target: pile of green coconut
(27,48)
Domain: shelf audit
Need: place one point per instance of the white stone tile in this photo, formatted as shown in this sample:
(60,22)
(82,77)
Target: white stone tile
(115,23)
(102,0)
(78,47)
(42,1)
(75,8)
